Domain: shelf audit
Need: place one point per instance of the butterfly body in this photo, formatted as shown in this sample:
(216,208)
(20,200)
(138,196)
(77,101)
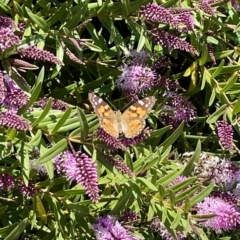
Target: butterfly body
(131,122)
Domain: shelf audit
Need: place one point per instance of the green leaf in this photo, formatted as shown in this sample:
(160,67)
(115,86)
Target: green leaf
(60,219)
(70,192)
(212,97)
(18,9)
(214,117)
(17,231)
(204,55)
(36,139)
(44,113)
(182,185)
(147,183)
(169,141)
(80,14)
(171,198)
(121,203)
(83,124)
(230,83)
(25,163)
(190,165)
(141,41)
(7,229)
(62,120)
(165,180)
(5,7)
(187,205)
(236,109)
(41,210)
(225,69)
(57,15)
(161,192)
(80,209)
(218,70)
(94,84)
(35,92)
(38,20)
(52,152)
(126,6)
(176,220)
(3,209)
(200,196)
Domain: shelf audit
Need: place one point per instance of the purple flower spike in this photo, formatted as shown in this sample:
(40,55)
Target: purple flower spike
(128,216)
(11,96)
(6,22)
(109,229)
(136,79)
(170,41)
(56,104)
(15,99)
(183,22)
(59,162)
(235,4)
(137,58)
(117,162)
(225,196)
(8,39)
(84,171)
(206,7)
(227,217)
(39,54)
(156,13)
(225,133)
(109,140)
(6,182)
(10,119)
(27,191)
(176,110)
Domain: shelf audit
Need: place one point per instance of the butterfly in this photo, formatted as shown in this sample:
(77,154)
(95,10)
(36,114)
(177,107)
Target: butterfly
(131,122)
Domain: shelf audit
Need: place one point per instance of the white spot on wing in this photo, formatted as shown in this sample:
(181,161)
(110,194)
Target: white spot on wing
(99,100)
(141,102)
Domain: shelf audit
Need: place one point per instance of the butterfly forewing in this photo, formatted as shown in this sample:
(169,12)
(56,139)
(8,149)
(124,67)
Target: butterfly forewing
(106,115)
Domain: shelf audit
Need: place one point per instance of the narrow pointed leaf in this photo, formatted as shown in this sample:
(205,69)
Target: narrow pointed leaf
(83,124)
(147,183)
(214,117)
(44,113)
(36,139)
(52,152)
(236,109)
(41,210)
(62,120)
(200,196)
(38,20)
(187,205)
(190,165)
(17,231)
(169,141)
(218,70)
(171,198)
(176,220)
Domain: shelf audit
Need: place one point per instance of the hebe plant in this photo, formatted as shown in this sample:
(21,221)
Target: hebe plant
(62,176)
